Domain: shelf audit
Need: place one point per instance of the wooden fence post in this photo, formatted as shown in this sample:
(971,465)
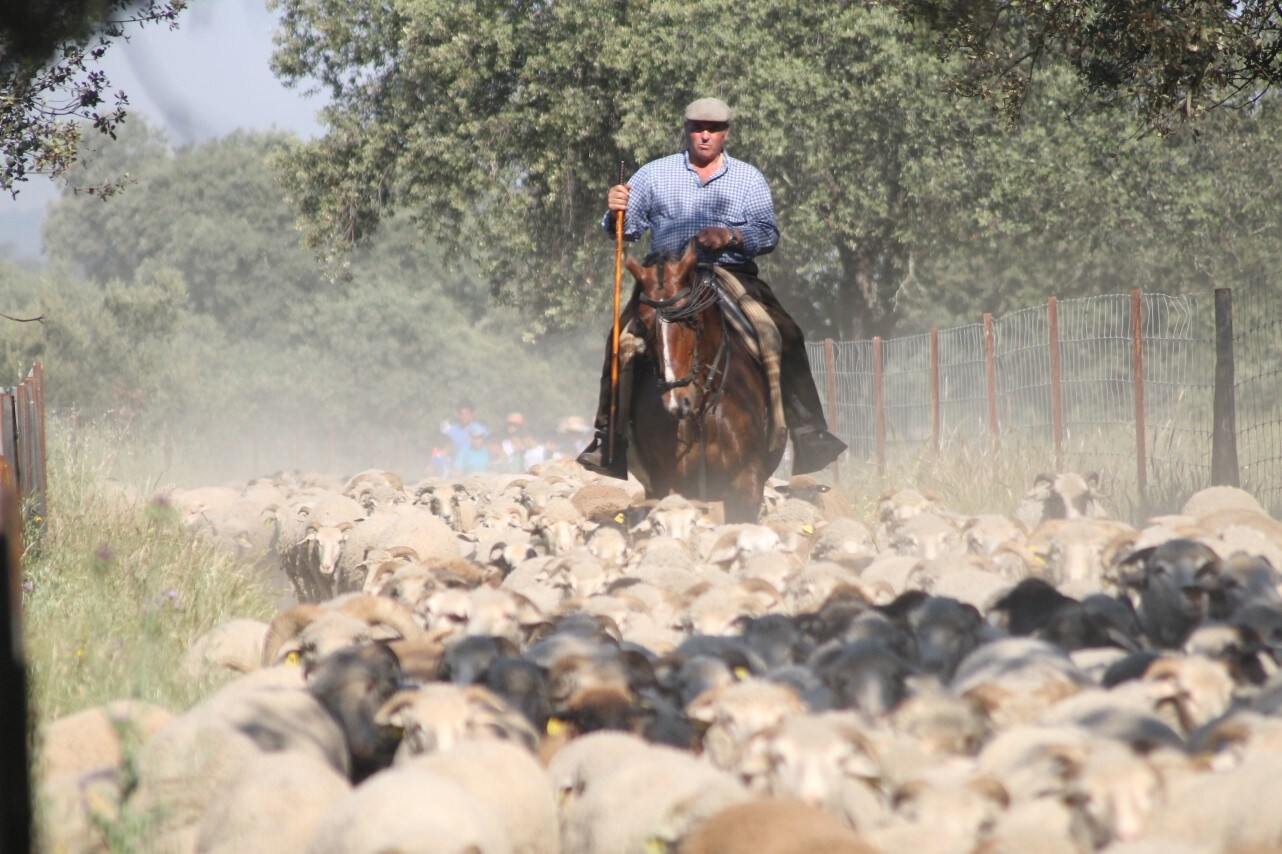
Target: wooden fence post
(39,473)
(1224,462)
(990,365)
(1137,379)
(934,390)
(1057,399)
(15,771)
(879,406)
(830,368)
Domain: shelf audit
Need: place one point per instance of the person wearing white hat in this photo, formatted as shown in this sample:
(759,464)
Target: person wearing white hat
(723,205)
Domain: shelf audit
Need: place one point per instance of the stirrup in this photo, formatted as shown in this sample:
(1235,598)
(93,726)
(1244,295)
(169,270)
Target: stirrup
(593,457)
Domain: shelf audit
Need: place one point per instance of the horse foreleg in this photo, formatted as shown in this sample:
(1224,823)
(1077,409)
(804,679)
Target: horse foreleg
(743,501)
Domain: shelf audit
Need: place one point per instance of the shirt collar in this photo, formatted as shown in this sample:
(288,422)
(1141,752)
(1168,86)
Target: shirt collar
(725,164)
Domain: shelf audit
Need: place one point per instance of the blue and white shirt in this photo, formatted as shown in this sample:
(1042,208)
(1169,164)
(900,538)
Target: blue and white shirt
(669,199)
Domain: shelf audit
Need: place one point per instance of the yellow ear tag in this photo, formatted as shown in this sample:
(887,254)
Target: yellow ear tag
(655,845)
(741,673)
(807,528)
(556,726)
(618,517)
(295,658)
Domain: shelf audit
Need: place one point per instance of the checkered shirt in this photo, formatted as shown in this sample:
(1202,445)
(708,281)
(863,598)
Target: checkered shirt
(670,201)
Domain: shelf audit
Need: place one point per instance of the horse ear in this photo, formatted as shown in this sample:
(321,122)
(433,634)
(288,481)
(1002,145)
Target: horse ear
(687,261)
(637,271)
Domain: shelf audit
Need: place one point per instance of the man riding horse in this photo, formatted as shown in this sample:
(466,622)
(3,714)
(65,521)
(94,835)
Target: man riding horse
(724,205)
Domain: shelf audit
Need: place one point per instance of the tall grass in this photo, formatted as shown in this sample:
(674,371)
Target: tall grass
(972,478)
(115,589)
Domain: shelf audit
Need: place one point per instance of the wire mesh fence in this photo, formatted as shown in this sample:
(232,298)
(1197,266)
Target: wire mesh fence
(1122,383)
(1257,342)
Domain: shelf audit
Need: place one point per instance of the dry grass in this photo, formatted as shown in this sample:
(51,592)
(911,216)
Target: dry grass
(974,479)
(116,590)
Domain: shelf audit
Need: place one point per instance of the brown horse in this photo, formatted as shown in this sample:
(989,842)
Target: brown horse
(700,407)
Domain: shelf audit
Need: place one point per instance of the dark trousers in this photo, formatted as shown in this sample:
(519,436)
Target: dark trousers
(802,406)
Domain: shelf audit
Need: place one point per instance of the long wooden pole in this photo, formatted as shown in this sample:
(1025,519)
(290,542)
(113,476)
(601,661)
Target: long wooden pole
(614,345)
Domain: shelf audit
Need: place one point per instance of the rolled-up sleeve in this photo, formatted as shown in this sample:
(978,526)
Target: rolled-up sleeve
(760,230)
(636,220)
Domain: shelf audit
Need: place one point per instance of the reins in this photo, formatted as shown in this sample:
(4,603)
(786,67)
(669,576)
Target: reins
(701,296)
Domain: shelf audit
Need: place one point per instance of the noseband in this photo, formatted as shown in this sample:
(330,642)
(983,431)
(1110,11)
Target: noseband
(698,297)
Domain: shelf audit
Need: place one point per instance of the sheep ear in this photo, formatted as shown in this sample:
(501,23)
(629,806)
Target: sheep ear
(1137,556)
(906,793)
(860,766)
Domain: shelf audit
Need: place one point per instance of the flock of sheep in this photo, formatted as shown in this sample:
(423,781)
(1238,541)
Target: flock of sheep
(547,662)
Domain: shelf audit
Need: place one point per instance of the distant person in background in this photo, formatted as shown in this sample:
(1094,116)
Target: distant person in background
(515,441)
(440,462)
(457,428)
(476,456)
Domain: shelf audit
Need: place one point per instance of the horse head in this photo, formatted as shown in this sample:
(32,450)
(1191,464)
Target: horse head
(672,302)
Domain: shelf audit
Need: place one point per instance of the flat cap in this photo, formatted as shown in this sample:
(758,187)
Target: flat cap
(708,110)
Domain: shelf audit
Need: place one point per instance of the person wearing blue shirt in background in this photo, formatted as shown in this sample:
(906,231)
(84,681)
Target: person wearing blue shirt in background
(457,429)
(476,456)
(724,206)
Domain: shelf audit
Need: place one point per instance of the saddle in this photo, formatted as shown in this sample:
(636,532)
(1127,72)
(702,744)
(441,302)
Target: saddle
(748,319)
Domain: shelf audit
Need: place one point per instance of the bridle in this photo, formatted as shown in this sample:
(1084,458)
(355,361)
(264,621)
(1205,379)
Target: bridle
(685,307)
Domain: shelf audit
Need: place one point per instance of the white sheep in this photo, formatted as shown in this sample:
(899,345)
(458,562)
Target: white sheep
(511,782)
(774,826)
(824,760)
(1227,810)
(96,738)
(438,716)
(374,488)
(733,714)
(1204,502)
(652,800)
(410,811)
(235,646)
(272,802)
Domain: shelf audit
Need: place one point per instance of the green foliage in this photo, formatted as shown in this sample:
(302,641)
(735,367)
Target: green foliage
(497,128)
(1167,61)
(50,88)
(187,310)
(214,213)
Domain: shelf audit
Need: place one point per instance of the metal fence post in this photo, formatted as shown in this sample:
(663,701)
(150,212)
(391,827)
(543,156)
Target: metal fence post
(879,406)
(1224,462)
(1057,398)
(934,390)
(1137,372)
(830,368)
(990,366)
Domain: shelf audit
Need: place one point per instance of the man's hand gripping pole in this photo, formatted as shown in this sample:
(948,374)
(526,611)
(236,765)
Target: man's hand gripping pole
(614,348)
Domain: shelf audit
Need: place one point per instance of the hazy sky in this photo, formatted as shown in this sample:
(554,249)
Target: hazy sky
(203,80)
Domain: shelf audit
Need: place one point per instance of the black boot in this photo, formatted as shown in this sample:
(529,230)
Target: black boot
(814,449)
(594,459)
